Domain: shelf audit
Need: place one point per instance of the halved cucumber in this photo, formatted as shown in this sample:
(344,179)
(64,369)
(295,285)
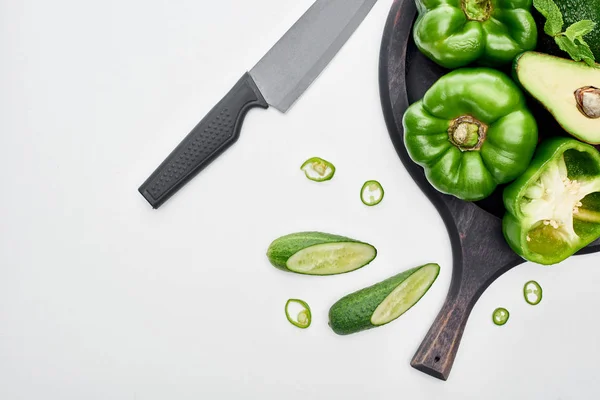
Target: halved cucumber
(382,303)
(317,253)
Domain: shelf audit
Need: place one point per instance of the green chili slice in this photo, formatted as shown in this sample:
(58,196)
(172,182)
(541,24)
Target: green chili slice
(532,291)
(500,316)
(371,193)
(303,318)
(318,170)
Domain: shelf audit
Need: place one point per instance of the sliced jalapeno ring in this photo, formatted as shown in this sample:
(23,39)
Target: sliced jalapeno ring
(500,316)
(318,170)
(532,291)
(303,318)
(371,193)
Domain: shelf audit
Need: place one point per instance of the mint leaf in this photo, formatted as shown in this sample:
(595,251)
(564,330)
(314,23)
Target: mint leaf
(554,19)
(578,51)
(571,40)
(567,45)
(580,29)
(586,54)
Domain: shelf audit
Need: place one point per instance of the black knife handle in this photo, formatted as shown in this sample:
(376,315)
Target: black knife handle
(213,135)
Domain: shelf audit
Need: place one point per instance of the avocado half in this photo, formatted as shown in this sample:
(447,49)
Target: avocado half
(569,90)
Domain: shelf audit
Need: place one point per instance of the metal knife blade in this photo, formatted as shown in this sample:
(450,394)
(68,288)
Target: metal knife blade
(278,79)
(297,59)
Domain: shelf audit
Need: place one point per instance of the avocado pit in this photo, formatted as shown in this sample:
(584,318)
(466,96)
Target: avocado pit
(588,101)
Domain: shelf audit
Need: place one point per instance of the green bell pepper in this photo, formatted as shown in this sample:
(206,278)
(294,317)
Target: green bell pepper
(454,33)
(553,209)
(471,132)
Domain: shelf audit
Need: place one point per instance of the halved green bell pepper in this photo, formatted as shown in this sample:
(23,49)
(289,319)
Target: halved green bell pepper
(553,209)
(454,33)
(471,132)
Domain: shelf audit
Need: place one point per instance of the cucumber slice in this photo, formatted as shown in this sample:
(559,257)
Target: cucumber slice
(317,253)
(383,302)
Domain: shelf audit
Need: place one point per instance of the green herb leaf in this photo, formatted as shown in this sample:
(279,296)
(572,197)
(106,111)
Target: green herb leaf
(554,18)
(569,46)
(578,51)
(586,54)
(571,40)
(580,29)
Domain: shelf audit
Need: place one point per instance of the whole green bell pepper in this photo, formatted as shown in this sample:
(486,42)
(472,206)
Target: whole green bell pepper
(553,209)
(471,132)
(454,33)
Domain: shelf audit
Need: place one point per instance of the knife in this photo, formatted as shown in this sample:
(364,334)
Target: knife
(278,80)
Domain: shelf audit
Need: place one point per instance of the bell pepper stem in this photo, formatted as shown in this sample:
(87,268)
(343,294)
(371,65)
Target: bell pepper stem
(477,10)
(467,133)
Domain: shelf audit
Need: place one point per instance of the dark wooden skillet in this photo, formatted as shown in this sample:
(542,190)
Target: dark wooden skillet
(480,254)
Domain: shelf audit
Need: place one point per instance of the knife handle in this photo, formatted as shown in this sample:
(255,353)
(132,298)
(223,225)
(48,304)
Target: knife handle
(211,137)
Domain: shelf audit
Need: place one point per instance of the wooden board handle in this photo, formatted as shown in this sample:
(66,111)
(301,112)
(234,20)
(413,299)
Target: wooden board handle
(438,350)
(480,256)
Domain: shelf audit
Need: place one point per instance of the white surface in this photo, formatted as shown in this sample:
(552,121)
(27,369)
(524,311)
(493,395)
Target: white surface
(103,298)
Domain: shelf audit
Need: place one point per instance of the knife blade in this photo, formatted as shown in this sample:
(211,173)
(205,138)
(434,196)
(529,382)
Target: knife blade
(277,80)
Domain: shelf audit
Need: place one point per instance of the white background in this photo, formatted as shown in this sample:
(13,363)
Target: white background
(102,297)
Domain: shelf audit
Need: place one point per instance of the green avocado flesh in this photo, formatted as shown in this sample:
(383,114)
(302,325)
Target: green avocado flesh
(554,82)
(383,302)
(316,253)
